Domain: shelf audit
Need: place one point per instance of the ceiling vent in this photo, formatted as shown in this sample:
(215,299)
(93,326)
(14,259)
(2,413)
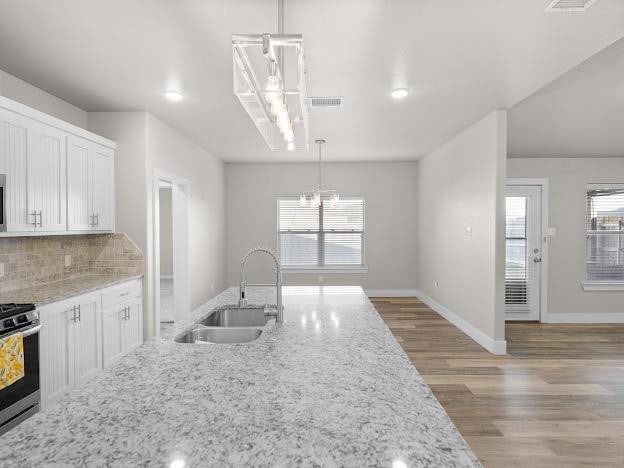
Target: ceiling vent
(569,5)
(326,102)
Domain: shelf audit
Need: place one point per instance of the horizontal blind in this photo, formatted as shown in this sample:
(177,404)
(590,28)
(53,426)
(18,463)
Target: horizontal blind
(324,236)
(605,232)
(517,272)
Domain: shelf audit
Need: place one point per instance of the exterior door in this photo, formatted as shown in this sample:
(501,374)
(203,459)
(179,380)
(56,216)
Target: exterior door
(523,265)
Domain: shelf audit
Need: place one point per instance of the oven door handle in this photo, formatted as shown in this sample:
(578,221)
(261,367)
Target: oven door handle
(32,331)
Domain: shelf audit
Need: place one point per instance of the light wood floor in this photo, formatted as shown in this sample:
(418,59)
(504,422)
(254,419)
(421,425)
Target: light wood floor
(556,399)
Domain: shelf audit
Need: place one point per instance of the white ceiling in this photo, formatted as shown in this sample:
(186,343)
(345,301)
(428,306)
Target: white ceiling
(581,114)
(461,59)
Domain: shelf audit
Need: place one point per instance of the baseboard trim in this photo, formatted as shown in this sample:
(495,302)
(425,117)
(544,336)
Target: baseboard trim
(571,317)
(490,344)
(391,292)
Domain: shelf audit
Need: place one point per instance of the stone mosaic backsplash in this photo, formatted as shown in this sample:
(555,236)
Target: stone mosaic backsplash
(30,261)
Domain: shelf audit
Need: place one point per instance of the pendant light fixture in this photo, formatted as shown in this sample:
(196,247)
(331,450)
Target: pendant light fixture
(269,81)
(314,198)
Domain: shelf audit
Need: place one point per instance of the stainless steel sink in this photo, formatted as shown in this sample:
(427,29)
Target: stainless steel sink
(220,335)
(236,317)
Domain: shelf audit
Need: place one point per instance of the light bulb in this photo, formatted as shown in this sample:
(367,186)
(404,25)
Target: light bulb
(290,146)
(277,104)
(289,135)
(316,200)
(283,121)
(303,201)
(272,90)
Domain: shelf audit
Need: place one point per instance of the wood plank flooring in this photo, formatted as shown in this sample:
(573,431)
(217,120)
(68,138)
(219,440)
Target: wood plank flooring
(556,399)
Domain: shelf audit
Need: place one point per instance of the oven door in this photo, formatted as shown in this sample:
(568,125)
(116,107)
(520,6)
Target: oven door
(21,399)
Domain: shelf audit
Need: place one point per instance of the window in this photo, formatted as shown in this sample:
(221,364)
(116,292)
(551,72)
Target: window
(325,237)
(605,233)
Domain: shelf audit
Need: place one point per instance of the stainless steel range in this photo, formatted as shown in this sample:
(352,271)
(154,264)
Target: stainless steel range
(21,399)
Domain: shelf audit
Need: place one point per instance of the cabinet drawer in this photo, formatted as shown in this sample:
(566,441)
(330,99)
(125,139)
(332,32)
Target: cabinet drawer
(120,293)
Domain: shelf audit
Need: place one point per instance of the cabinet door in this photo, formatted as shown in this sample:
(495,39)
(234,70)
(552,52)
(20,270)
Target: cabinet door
(87,347)
(132,326)
(56,361)
(46,179)
(112,319)
(102,182)
(79,201)
(16,136)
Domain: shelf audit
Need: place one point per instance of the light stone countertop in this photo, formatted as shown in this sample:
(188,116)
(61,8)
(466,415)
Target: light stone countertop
(329,387)
(63,289)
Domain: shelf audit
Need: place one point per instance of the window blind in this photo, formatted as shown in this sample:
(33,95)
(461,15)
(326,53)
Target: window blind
(321,237)
(605,232)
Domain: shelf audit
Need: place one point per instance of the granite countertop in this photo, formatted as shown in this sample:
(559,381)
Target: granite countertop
(328,387)
(59,290)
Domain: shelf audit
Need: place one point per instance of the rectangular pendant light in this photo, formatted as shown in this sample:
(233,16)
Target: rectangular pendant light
(269,81)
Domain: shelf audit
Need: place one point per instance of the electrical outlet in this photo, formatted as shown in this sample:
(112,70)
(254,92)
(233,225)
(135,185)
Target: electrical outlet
(468,231)
(68,261)
(320,279)
(436,286)
(1,270)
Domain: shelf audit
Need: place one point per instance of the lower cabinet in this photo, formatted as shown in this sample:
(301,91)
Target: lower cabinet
(71,348)
(122,329)
(78,336)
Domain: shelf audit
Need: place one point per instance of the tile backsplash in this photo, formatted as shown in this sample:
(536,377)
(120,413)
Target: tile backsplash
(30,261)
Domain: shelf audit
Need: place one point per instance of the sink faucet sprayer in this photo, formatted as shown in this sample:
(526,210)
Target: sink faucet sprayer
(242,301)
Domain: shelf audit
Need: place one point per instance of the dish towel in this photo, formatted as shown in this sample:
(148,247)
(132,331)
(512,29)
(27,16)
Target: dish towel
(11,359)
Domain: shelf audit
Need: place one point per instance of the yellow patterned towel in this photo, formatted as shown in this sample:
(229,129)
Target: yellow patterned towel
(11,359)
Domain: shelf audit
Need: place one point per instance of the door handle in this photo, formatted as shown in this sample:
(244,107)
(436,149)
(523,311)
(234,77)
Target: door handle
(537,259)
(97,219)
(34,215)
(40,219)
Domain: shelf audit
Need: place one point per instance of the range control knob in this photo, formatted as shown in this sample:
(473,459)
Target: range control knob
(22,319)
(8,323)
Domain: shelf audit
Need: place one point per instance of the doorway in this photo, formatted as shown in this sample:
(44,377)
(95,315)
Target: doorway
(166,252)
(171,234)
(525,250)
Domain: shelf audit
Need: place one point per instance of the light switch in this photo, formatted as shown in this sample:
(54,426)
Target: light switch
(68,261)
(551,232)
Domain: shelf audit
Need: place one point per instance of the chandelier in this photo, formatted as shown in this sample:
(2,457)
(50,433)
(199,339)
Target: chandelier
(269,81)
(314,198)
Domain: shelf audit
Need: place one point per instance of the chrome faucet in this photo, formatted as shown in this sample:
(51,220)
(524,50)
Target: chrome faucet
(242,301)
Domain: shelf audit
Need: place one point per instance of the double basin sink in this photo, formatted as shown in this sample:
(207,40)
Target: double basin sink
(229,324)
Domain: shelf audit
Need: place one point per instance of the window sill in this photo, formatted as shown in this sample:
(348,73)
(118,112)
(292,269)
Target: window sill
(325,270)
(602,286)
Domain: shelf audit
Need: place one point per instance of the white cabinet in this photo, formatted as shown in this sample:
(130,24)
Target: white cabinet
(90,186)
(122,329)
(70,344)
(16,135)
(79,336)
(47,179)
(59,178)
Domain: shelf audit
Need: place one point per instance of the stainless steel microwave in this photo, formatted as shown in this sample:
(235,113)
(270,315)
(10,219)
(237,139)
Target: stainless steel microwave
(3,223)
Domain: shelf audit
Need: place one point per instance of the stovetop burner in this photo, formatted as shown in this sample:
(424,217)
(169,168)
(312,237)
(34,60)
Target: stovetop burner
(10,309)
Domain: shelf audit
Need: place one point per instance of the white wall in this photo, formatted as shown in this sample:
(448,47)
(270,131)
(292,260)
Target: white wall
(27,94)
(144,143)
(171,152)
(166,232)
(567,185)
(460,185)
(389,191)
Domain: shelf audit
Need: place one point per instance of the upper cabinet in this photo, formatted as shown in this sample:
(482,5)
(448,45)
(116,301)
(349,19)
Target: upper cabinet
(58,177)
(90,187)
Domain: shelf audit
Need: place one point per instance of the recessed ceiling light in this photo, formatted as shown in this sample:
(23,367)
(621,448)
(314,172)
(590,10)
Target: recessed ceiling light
(173,95)
(399,93)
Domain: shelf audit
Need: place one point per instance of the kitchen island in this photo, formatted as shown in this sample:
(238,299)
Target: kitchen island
(328,387)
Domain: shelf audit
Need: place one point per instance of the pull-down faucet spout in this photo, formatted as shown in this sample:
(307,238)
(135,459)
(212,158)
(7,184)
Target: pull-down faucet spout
(242,301)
